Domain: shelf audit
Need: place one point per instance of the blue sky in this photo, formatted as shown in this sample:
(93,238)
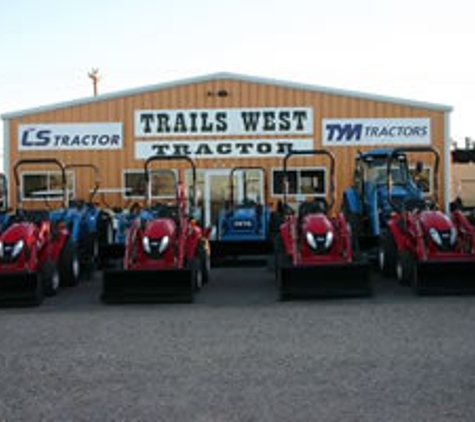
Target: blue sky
(420,50)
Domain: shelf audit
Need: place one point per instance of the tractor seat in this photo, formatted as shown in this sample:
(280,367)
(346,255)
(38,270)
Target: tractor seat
(317,206)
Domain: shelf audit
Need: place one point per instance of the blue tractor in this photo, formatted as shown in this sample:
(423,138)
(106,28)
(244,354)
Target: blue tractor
(366,204)
(83,219)
(242,230)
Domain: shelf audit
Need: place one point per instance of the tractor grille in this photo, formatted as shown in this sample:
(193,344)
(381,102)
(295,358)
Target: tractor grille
(445,237)
(8,253)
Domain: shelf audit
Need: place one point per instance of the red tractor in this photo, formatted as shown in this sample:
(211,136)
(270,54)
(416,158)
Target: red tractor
(427,249)
(166,252)
(36,254)
(316,254)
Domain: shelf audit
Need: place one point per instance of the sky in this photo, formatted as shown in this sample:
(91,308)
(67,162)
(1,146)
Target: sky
(419,50)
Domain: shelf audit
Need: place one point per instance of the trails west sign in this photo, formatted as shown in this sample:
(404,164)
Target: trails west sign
(224,122)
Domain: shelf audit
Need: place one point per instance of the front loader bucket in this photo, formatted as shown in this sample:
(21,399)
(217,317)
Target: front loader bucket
(21,288)
(445,277)
(324,280)
(147,286)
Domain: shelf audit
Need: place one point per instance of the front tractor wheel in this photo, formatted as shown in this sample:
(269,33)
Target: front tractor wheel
(50,278)
(406,269)
(387,254)
(197,271)
(69,265)
(205,262)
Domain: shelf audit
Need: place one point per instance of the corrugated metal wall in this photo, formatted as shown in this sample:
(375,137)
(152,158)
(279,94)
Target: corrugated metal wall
(195,96)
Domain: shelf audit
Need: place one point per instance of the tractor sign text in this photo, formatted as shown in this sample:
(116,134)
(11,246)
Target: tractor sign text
(76,136)
(344,132)
(224,122)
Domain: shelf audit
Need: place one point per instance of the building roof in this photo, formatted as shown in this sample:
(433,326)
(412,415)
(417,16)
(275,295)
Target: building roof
(228,76)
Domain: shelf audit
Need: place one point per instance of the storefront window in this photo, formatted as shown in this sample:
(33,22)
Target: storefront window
(162,182)
(37,186)
(301,182)
(423,180)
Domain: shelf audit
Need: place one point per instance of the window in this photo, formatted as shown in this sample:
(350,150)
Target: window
(200,185)
(162,183)
(311,182)
(423,180)
(36,186)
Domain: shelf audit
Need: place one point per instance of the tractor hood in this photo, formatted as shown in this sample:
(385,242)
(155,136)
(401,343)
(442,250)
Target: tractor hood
(318,233)
(399,194)
(243,219)
(436,219)
(159,228)
(317,223)
(439,229)
(18,231)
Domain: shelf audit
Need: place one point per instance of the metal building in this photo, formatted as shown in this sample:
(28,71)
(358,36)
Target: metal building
(221,120)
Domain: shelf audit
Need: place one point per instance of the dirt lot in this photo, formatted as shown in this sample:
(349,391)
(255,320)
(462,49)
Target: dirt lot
(239,355)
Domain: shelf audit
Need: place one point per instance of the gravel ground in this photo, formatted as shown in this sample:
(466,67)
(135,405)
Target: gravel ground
(238,355)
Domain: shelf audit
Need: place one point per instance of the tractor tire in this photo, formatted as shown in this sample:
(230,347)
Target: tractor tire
(406,268)
(279,250)
(205,262)
(68,265)
(104,238)
(353,219)
(196,274)
(282,260)
(87,256)
(387,254)
(50,278)
(39,294)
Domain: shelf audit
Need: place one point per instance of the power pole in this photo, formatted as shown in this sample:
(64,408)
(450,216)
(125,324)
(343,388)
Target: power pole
(94,75)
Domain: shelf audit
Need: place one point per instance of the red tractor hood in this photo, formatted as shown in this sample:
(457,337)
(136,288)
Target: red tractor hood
(19,231)
(435,219)
(161,227)
(317,224)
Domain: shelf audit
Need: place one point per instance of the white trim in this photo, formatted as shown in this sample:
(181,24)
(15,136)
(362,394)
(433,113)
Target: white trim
(298,170)
(138,171)
(447,163)
(228,76)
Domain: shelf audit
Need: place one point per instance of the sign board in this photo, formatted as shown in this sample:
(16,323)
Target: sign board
(224,148)
(70,136)
(296,121)
(347,132)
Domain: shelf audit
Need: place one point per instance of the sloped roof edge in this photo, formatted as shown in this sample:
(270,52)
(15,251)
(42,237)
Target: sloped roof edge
(227,76)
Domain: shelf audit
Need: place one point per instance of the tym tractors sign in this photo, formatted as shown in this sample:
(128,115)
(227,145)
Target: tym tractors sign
(70,136)
(224,122)
(344,132)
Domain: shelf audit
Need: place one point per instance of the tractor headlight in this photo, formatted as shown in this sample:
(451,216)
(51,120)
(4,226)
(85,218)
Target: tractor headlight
(17,248)
(146,244)
(328,239)
(435,236)
(311,240)
(163,244)
(453,235)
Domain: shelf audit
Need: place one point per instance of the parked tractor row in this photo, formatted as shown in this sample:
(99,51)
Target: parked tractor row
(158,252)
